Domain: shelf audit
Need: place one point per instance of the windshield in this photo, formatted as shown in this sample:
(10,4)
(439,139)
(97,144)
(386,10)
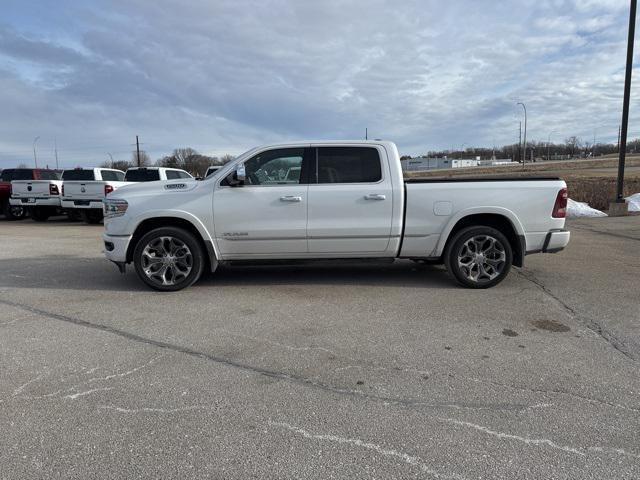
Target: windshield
(78,174)
(142,175)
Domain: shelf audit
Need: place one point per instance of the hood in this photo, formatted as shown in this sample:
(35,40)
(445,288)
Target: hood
(158,187)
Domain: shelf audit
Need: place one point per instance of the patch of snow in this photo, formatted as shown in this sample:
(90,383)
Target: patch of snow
(634,202)
(581,209)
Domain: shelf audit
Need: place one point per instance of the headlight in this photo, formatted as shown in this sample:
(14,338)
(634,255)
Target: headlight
(114,208)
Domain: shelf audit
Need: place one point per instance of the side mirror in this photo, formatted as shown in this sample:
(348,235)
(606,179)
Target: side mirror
(241,174)
(238,177)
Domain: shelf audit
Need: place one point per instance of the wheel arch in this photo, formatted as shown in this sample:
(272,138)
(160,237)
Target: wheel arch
(192,225)
(501,219)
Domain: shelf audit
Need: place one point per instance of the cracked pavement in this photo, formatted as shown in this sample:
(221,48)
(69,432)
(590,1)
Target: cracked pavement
(343,371)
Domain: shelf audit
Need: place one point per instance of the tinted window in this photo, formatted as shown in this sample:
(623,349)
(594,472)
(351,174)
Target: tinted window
(275,167)
(142,175)
(46,175)
(348,165)
(112,175)
(172,174)
(78,174)
(7,175)
(17,174)
(184,175)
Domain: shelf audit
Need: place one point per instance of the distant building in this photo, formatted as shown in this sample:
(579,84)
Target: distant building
(425,163)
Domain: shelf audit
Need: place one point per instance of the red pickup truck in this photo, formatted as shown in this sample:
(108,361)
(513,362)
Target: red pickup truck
(15,212)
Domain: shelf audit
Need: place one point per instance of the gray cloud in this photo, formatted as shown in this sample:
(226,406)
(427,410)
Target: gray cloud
(224,76)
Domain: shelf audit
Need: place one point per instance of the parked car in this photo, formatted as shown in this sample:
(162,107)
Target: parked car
(152,174)
(83,190)
(16,212)
(350,201)
(36,190)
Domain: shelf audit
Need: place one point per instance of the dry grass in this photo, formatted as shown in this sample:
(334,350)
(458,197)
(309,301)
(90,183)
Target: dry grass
(599,192)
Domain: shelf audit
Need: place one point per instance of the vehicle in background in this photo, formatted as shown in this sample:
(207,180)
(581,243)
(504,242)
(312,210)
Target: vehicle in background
(83,190)
(348,200)
(212,169)
(15,212)
(38,191)
(153,174)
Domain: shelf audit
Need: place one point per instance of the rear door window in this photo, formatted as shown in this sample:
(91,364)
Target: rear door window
(348,165)
(172,174)
(142,175)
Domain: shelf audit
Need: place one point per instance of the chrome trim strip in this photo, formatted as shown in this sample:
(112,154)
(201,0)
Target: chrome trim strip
(346,237)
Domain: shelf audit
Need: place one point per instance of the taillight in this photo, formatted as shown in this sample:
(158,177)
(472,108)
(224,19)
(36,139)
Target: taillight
(107,190)
(53,189)
(63,189)
(560,207)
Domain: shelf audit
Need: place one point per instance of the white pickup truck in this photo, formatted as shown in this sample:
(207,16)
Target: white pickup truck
(347,200)
(84,189)
(41,197)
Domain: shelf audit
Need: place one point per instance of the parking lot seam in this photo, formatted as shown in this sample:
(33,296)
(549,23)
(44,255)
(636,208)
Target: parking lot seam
(591,324)
(263,371)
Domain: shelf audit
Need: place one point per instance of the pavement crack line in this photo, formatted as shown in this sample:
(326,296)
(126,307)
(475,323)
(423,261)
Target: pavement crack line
(257,370)
(379,449)
(539,441)
(591,324)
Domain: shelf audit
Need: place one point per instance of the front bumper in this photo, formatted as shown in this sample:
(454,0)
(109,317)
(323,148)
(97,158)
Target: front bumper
(115,247)
(37,202)
(86,204)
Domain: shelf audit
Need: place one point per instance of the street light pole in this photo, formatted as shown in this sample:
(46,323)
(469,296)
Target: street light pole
(524,156)
(35,157)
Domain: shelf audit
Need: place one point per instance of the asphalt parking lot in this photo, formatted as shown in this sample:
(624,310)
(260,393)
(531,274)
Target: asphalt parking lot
(332,371)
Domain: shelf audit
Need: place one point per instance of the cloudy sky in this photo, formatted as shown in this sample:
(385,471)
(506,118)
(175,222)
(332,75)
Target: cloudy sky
(224,76)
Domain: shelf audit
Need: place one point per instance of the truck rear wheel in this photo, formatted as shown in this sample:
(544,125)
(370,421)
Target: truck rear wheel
(479,257)
(14,212)
(40,214)
(168,259)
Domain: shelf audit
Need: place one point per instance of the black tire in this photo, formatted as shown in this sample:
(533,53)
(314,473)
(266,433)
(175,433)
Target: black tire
(141,257)
(14,212)
(489,267)
(40,214)
(92,216)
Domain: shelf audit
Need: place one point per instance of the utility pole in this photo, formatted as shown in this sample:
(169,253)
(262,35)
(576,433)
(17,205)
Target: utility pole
(55,149)
(520,143)
(524,156)
(366,134)
(138,150)
(625,112)
(35,157)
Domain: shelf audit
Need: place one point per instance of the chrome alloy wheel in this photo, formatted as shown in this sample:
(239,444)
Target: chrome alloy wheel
(167,260)
(482,258)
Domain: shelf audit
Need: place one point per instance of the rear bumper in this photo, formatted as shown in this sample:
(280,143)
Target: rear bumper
(86,204)
(115,247)
(554,241)
(38,202)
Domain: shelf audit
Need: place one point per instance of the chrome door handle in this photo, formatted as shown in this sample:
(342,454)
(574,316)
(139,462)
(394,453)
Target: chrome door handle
(290,198)
(375,196)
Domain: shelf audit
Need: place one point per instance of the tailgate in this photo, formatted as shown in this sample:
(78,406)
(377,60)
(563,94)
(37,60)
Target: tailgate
(31,188)
(89,190)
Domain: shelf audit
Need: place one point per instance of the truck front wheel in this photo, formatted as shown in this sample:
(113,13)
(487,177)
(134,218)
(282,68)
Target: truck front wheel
(168,259)
(479,257)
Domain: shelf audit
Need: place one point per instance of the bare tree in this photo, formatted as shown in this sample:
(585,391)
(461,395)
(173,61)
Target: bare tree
(145,159)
